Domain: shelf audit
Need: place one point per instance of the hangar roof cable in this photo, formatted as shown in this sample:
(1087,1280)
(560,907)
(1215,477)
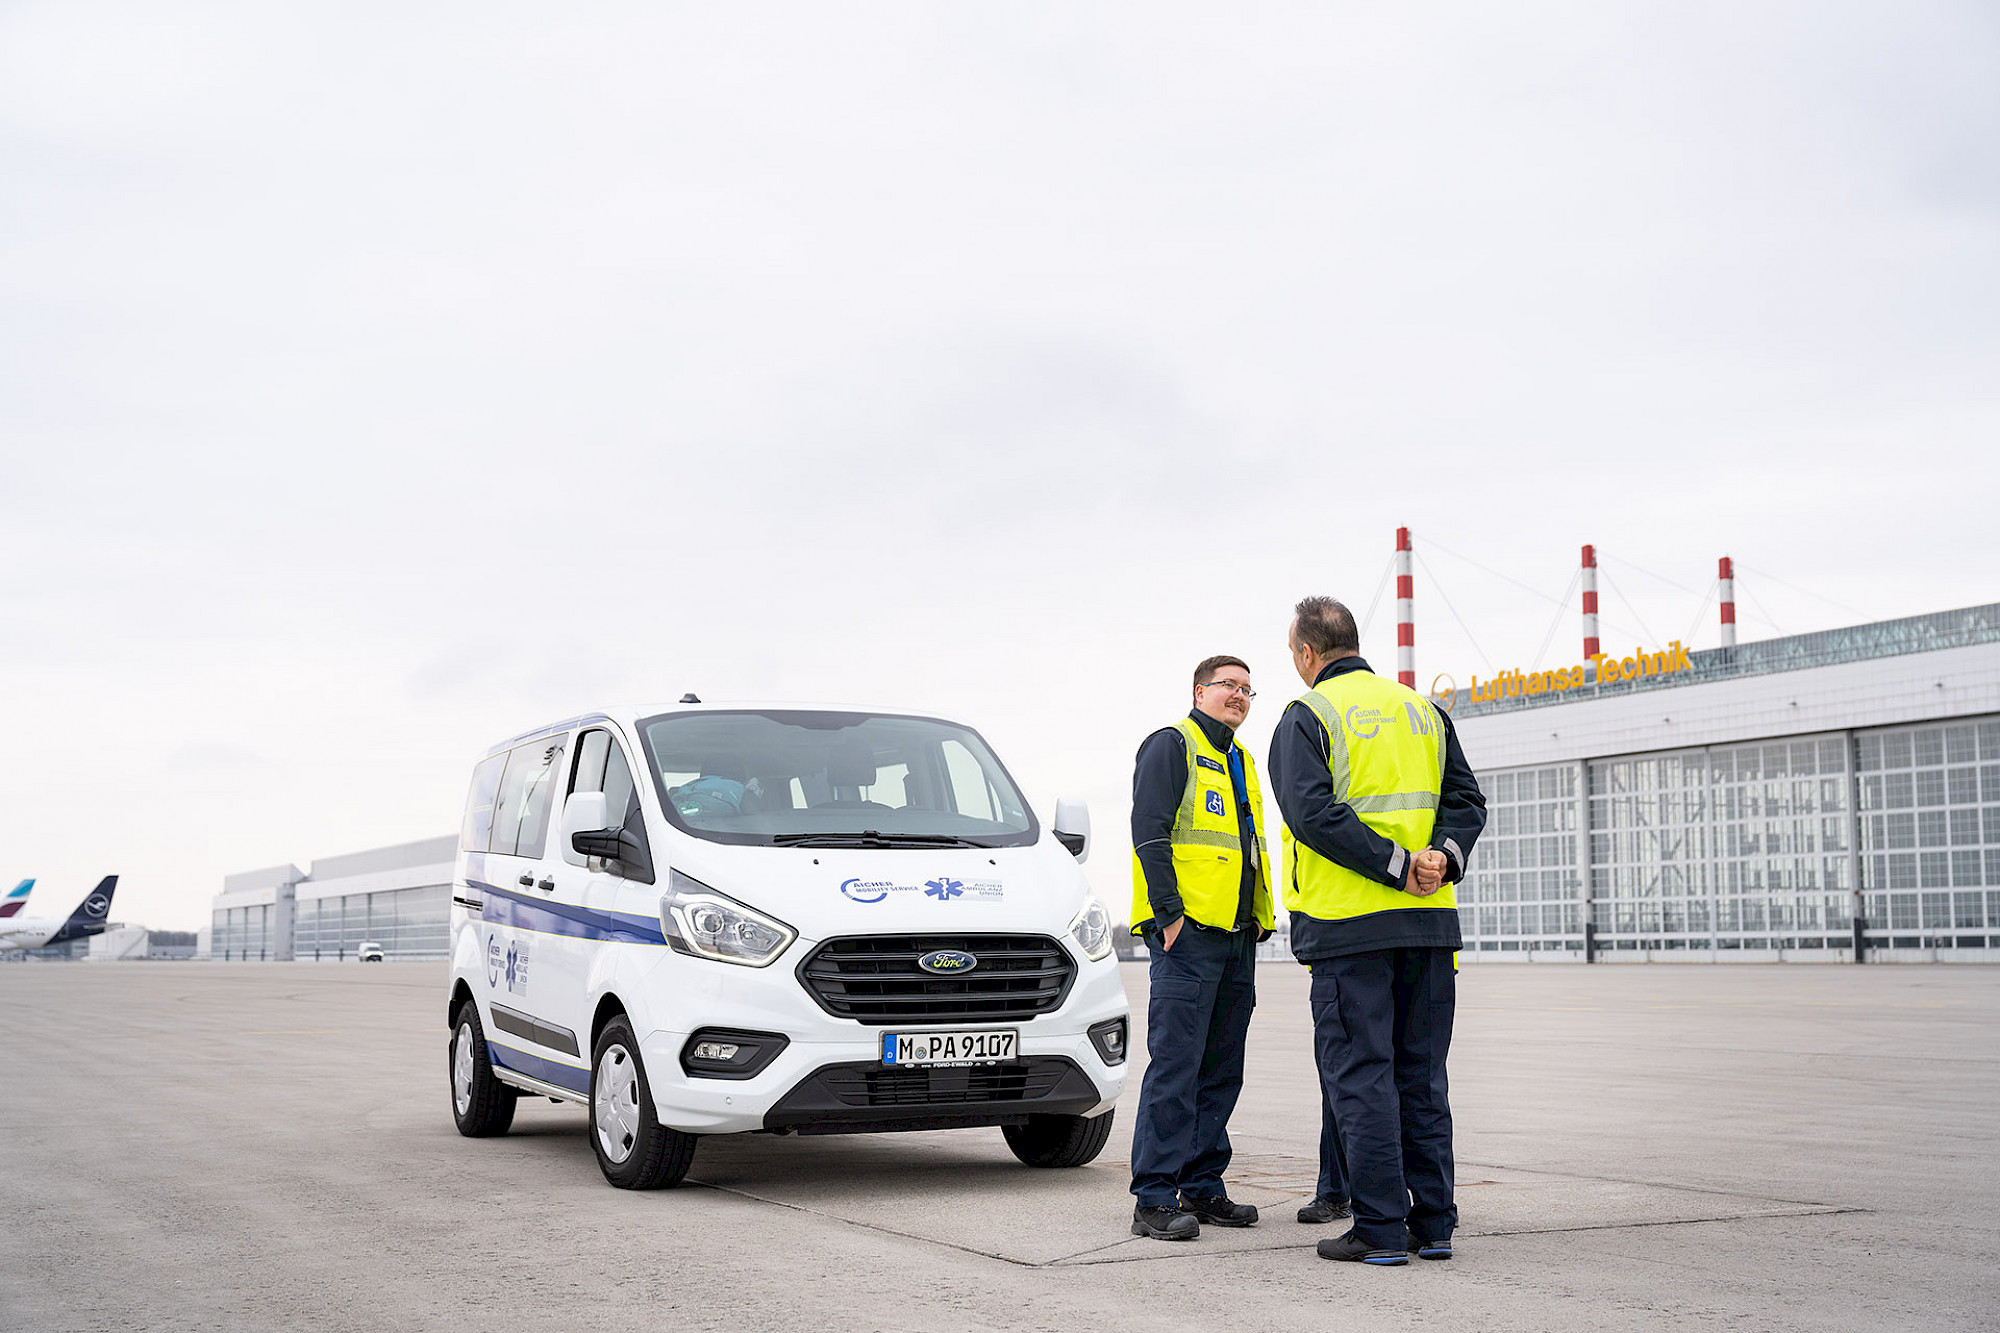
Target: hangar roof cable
(1431,574)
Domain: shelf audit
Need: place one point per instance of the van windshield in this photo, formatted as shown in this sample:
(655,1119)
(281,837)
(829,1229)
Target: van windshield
(832,779)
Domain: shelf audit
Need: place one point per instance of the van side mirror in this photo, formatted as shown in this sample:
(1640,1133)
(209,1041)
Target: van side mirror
(1073,826)
(583,823)
(584,817)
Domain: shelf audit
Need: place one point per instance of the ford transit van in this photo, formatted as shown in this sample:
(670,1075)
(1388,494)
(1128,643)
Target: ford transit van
(723,919)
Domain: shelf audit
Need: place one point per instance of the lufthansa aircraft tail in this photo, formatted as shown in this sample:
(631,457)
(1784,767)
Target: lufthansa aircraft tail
(16,900)
(90,914)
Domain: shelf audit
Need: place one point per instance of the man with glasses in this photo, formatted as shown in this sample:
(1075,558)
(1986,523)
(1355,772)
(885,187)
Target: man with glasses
(1201,896)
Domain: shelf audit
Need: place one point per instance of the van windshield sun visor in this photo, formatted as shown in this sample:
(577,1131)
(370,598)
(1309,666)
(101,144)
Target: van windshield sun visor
(811,778)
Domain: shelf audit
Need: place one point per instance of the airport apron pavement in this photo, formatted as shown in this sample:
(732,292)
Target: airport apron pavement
(221,1146)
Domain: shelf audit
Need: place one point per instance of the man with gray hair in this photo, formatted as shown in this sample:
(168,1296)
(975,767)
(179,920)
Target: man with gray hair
(1381,811)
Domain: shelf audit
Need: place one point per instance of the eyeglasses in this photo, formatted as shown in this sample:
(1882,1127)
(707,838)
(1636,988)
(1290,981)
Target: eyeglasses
(1230,687)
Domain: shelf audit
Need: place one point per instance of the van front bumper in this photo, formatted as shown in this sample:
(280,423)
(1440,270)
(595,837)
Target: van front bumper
(864,1097)
(829,1077)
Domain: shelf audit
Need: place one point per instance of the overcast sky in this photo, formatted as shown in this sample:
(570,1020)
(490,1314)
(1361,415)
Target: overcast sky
(378,381)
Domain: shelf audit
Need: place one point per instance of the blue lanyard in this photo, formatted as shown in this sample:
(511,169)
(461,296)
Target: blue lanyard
(1242,790)
(1247,818)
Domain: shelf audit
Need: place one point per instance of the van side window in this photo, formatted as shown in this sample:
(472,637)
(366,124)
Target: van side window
(521,815)
(477,830)
(601,766)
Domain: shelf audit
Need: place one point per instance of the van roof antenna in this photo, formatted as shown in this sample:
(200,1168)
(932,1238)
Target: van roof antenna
(689,699)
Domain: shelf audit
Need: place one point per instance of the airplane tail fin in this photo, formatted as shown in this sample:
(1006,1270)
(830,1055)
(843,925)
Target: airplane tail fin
(16,900)
(90,914)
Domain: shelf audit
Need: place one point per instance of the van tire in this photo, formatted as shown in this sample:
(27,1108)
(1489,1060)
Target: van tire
(1059,1140)
(656,1157)
(481,1105)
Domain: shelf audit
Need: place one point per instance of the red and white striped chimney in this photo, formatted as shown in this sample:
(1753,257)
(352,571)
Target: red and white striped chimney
(1725,570)
(1406,628)
(1590,643)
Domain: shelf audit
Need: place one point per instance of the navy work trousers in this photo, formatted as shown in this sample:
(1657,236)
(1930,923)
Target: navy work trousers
(1381,1030)
(1203,990)
(1332,1169)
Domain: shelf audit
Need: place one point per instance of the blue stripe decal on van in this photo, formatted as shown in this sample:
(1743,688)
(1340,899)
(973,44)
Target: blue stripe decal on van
(505,907)
(534,1066)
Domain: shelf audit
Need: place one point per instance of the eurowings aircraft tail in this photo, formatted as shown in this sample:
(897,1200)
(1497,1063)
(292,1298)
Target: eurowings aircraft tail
(90,914)
(16,900)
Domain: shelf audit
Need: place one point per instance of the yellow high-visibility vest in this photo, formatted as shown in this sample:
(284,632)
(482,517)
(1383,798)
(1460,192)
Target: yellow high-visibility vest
(1385,754)
(1208,840)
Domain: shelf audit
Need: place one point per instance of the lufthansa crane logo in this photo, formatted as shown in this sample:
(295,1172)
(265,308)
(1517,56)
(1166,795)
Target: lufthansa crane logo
(943,962)
(98,905)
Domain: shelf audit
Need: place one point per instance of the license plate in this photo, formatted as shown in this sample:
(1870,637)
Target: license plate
(986,1047)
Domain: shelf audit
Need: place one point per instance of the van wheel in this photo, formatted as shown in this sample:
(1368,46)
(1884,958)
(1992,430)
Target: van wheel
(481,1104)
(634,1150)
(1059,1140)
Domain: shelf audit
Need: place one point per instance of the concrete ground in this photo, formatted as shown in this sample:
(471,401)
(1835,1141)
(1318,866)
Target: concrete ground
(246,1146)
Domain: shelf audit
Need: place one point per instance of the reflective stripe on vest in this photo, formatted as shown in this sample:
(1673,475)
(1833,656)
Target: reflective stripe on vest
(1385,756)
(1207,840)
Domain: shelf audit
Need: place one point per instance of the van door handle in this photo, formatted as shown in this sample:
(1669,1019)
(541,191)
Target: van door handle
(527,881)
(545,884)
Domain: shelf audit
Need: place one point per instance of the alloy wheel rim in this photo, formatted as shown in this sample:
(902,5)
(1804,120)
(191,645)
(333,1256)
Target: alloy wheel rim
(461,1069)
(615,1104)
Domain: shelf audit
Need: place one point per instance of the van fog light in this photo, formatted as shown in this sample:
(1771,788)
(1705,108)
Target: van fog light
(728,1053)
(1109,1039)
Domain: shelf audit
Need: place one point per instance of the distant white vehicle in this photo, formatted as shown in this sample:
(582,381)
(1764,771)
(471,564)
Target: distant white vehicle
(780,918)
(38,932)
(369,952)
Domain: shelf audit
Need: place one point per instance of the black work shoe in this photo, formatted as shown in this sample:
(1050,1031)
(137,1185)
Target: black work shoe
(1352,1247)
(1218,1210)
(1431,1249)
(1164,1223)
(1323,1209)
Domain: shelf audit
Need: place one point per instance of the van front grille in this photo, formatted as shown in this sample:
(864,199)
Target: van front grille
(975,1085)
(875,978)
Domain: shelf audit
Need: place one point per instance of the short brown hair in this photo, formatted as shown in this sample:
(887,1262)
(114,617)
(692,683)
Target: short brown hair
(1209,664)
(1326,627)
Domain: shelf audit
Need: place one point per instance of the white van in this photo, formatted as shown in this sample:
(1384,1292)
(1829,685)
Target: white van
(720,919)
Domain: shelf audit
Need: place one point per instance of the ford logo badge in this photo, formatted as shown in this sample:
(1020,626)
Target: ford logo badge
(946,961)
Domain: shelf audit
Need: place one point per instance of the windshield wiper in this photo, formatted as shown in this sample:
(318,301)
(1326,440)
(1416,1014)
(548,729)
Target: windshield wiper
(871,838)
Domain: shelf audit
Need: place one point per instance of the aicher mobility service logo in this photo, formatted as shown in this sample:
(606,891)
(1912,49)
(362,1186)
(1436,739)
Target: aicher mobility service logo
(494,962)
(866,890)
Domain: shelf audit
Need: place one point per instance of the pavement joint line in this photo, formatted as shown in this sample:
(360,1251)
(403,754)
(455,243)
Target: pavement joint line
(1797,1209)
(1786,1050)
(864,1226)
(1656,1184)
(1186,1251)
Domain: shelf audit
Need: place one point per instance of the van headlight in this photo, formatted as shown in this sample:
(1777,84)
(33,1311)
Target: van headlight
(705,924)
(1092,929)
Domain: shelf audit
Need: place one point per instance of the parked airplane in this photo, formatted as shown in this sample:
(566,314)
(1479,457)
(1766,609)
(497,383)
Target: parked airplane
(15,901)
(35,932)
